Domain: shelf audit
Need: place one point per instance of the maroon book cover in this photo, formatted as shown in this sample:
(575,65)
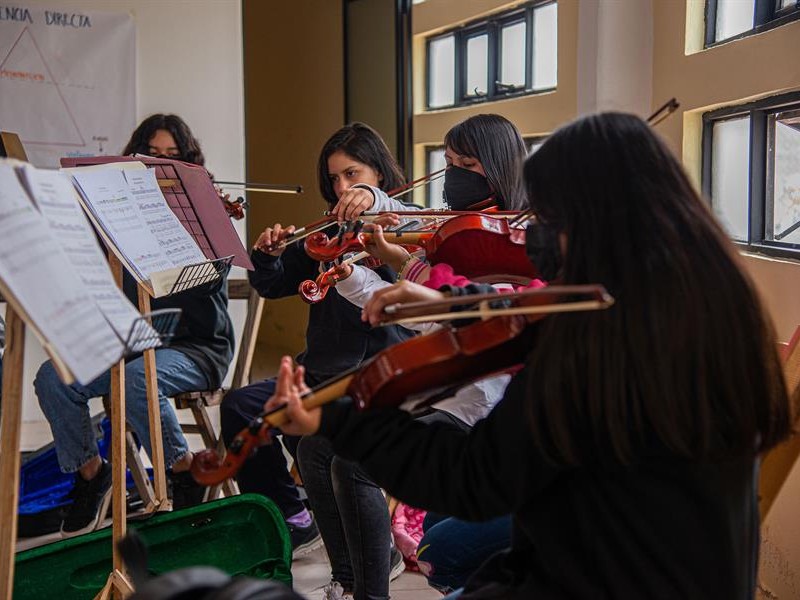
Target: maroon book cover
(191,195)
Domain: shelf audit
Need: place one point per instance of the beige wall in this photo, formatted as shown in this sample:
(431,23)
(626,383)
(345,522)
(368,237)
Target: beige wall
(294,100)
(753,67)
(533,115)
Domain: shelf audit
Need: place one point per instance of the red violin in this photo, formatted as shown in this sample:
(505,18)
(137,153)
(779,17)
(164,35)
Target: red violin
(476,245)
(451,356)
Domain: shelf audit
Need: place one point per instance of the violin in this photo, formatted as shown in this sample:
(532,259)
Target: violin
(476,245)
(315,290)
(453,356)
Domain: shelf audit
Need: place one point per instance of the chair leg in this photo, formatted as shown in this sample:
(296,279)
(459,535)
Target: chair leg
(211,440)
(139,473)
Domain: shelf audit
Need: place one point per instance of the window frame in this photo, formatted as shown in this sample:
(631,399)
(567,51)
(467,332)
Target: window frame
(759,113)
(492,26)
(767,16)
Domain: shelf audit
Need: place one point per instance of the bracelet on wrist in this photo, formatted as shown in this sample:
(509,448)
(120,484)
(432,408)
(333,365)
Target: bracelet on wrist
(403,265)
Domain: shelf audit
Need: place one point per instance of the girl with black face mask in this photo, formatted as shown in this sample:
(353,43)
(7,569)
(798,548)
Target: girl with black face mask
(484,156)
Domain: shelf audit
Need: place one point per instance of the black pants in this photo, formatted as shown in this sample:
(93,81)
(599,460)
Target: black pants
(266,471)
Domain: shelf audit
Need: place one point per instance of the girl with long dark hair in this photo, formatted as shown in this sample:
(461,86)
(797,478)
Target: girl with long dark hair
(627,446)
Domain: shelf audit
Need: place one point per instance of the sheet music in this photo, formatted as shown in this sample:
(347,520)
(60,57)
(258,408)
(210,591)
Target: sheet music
(57,200)
(39,275)
(176,243)
(109,198)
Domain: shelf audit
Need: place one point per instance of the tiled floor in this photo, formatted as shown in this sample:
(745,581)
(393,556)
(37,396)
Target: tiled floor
(312,572)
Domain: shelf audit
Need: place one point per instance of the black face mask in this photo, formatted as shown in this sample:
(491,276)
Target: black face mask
(543,249)
(463,188)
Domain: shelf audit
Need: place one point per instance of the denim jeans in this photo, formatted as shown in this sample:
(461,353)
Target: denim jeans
(266,471)
(451,549)
(352,514)
(352,517)
(67,406)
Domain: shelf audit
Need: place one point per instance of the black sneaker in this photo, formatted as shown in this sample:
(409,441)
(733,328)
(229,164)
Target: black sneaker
(304,539)
(186,491)
(90,502)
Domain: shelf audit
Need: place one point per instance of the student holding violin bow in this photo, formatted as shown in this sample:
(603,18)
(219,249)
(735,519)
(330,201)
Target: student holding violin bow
(336,338)
(485,153)
(627,446)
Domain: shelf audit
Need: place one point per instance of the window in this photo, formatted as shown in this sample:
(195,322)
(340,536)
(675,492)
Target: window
(435,162)
(509,54)
(751,173)
(731,19)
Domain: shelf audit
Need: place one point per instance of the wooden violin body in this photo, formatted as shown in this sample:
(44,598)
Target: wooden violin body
(476,245)
(448,357)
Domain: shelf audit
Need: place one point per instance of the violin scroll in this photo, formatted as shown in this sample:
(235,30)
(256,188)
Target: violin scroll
(209,468)
(313,291)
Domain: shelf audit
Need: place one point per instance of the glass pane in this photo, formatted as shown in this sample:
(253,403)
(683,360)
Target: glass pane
(436,161)
(785,3)
(441,74)
(477,65)
(734,17)
(783,186)
(512,58)
(730,174)
(545,47)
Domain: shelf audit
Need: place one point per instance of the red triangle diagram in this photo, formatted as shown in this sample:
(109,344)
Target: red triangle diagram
(33,105)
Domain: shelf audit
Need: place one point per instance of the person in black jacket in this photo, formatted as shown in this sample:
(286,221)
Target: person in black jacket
(336,338)
(627,446)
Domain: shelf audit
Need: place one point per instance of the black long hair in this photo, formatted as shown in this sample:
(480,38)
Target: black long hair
(686,360)
(498,145)
(187,144)
(364,144)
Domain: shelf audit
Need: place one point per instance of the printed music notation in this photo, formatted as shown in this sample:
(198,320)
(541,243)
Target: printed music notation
(58,202)
(32,260)
(130,208)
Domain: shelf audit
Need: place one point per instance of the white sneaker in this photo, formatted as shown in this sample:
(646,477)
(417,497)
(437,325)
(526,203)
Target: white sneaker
(335,591)
(396,564)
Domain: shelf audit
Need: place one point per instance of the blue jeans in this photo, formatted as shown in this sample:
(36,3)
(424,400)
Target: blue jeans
(451,549)
(67,406)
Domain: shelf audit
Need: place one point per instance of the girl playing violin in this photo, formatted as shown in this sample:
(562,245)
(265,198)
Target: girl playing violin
(336,338)
(627,446)
(168,136)
(484,154)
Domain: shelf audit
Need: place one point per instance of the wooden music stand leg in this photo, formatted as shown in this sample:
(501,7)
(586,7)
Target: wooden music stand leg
(10,426)
(116,585)
(154,412)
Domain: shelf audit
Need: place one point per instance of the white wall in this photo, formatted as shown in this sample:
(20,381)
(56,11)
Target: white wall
(615,56)
(188,62)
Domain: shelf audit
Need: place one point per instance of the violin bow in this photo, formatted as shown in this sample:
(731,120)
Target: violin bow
(669,107)
(596,297)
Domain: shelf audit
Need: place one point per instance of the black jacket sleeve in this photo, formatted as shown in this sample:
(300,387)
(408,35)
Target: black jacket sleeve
(488,472)
(280,276)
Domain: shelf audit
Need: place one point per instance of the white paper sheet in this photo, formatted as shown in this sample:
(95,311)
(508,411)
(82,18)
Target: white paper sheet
(176,243)
(57,200)
(109,198)
(38,274)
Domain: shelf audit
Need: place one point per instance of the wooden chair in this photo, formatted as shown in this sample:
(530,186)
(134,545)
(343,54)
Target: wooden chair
(199,401)
(778,462)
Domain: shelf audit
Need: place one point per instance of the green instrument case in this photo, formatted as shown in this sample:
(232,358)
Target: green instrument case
(241,535)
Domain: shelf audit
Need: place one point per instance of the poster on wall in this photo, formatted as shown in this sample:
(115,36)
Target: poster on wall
(67,80)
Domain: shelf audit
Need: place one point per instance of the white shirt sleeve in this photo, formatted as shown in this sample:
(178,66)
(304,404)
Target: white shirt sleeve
(359,287)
